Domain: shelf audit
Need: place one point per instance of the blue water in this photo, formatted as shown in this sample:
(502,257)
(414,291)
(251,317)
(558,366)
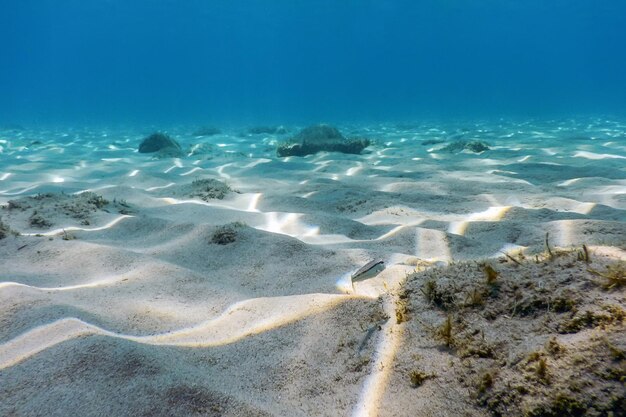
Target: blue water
(298,61)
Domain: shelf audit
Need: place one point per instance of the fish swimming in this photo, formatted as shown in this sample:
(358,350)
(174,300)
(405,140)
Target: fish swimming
(369,270)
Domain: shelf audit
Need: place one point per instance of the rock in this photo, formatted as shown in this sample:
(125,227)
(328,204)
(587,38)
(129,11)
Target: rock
(476,146)
(318,138)
(319,134)
(160,142)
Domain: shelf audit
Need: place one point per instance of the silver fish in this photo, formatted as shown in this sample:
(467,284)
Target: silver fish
(369,270)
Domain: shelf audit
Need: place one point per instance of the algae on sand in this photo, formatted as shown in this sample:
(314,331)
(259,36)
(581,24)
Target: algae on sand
(208,188)
(227,233)
(549,342)
(39,210)
(4,230)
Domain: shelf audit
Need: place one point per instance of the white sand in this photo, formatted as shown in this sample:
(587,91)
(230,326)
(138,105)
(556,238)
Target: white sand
(141,315)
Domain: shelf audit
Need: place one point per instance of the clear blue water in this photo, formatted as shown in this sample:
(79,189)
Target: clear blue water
(300,61)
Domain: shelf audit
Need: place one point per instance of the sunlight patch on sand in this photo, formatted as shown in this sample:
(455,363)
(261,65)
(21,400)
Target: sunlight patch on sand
(565,234)
(568,182)
(321,165)
(390,339)
(240,320)
(160,187)
(354,170)
(382,366)
(330,239)
(43,337)
(610,251)
(344,283)
(254,202)
(220,171)
(490,215)
(191,171)
(394,215)
(247,318)
(22,191)
(583,208)
(462,176)
(257,162)
(243,202)
(391,232)
(93,284)
(287,224)
(549,152)
(432,245)
(592,155)
(506,249)
(84,229)
(612,190)
(384,167)
(397,187)
(499,171)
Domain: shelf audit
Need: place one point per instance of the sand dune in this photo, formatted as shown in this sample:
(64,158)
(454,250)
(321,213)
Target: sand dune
(160,302)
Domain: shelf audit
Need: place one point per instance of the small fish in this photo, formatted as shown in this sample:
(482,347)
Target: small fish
(369,270)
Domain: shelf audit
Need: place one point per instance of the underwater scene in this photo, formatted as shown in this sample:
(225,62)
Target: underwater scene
(313,208)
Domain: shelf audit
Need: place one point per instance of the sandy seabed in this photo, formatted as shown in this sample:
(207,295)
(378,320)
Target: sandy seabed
(132,286)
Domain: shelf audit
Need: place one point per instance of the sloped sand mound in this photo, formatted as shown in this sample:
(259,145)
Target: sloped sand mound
(540,336)
(138,287)
(43,211)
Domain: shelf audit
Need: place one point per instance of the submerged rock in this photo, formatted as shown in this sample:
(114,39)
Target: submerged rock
(319,134)
(318,138)
(476,146)
(162,143)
